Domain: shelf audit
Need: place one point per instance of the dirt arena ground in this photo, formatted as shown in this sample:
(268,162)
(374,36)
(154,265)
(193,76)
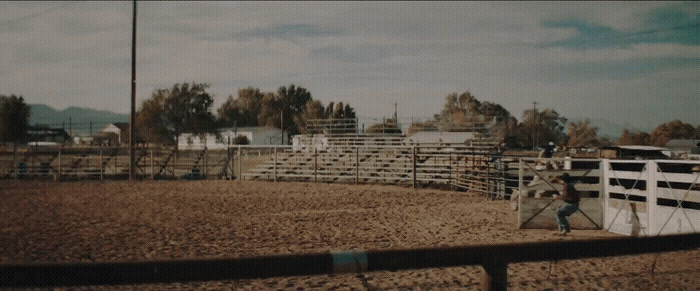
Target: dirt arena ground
(121,221)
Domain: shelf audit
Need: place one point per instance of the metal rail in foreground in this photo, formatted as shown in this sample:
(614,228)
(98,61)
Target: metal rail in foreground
(494,259)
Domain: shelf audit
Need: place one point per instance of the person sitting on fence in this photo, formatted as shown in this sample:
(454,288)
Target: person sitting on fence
(571,198)
(547,153)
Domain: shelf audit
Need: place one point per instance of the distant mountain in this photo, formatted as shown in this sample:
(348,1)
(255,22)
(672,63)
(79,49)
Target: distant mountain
(79,120)
(610,129)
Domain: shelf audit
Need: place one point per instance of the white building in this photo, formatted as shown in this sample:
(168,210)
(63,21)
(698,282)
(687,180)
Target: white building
(120,129)
(265,135)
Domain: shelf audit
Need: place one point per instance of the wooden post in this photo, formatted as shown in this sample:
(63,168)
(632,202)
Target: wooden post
(14,161)
(275,160)
(58,175)
(357,164)
(153,173)
(495,276)
(102,165)
(315,165)
(116,158)
(415,180)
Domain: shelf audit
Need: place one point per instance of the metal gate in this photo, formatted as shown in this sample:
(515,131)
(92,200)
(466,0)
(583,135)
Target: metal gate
(536,209)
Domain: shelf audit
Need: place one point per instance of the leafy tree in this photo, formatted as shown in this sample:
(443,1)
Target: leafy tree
(465,112)
(388,126)
(289,108)
(547,125)
(672,130)
(170,112)
(581,133)
(633,138)
(292,100)
(242,111)
(416,126)
(312,110)
(14,119)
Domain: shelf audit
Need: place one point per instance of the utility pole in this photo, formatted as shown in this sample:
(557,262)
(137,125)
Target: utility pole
(132,142)
(396,112)
(534,125)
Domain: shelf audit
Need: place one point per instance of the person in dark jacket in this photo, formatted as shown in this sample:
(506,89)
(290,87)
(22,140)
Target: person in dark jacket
(571,198)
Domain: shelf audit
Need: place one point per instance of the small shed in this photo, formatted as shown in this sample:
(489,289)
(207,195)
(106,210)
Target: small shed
(118,129)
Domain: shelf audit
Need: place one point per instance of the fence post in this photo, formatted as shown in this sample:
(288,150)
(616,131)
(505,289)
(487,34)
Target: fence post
(58,175)
(229,162)
(606,168)
(315,165)
(357,164)
(488,179)
(520,189)
(175,156)
(240,174)
(102,165)
(449,167)
(14,162)
(275,160)
(116,159)
(153,174)
(652,185)
(495,276)
(415,152)
(206,161)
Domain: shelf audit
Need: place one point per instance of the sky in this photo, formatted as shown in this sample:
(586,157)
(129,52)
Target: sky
(632,63)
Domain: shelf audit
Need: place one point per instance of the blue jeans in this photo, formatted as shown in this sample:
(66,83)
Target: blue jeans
(566,210)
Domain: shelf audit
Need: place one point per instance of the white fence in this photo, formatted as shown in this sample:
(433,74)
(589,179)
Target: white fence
(629,197)
(652,197)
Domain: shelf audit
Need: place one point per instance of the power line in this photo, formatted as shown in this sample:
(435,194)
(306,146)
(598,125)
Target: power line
(38,13)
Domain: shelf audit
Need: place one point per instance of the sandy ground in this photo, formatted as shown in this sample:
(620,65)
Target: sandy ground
(122,221)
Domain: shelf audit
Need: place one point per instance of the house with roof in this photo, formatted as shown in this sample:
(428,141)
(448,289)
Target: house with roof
(684,146)
(257,135)
(45,136)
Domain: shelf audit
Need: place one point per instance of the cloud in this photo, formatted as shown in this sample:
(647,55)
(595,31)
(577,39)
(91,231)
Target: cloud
(664,25)
(287,31)
(617,70)
(369,54)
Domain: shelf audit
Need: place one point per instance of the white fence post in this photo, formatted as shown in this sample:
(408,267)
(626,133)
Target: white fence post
(521,173)
(240,174)
(653,168)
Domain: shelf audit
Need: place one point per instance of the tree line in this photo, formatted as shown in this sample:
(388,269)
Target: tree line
(187,108)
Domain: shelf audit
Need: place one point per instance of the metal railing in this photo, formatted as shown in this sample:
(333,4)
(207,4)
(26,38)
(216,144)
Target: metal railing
(493,258)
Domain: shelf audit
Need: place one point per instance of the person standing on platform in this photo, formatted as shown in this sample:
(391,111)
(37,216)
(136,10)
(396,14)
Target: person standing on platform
(571,198)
